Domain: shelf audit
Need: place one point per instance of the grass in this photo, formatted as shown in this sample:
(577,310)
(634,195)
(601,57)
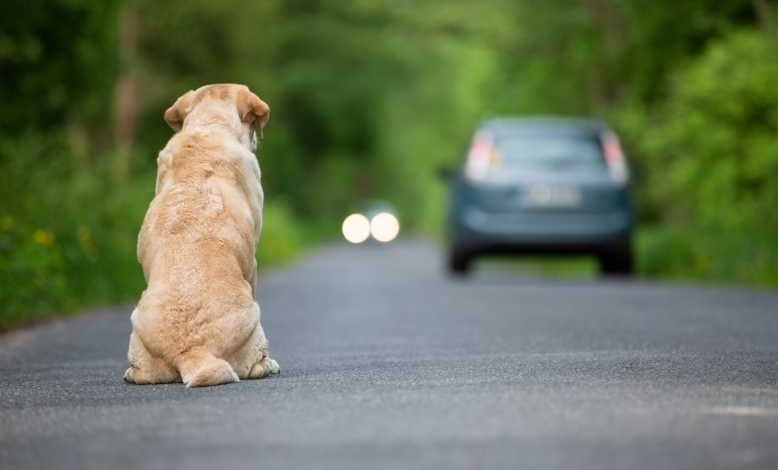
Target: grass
(675,254)
(564,267)
(711,255)
(68,234)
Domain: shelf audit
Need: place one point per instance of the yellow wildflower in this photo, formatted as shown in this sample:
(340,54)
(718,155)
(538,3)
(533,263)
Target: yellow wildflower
(43,237)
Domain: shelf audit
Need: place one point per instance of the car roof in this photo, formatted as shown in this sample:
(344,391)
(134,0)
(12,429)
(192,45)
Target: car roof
(544,125)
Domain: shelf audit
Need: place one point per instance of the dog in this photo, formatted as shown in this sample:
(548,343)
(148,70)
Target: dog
(198,321)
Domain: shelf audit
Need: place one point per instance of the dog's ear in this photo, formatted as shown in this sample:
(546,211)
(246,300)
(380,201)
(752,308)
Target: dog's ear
(175,115)
(251,109)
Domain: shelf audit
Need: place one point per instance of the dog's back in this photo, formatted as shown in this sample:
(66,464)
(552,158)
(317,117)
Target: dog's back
(197,247)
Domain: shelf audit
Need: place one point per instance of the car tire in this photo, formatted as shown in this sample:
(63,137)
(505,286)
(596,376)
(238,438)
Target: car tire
(459,263)
(617,261)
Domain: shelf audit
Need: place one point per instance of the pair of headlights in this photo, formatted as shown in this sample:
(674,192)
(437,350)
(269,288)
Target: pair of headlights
(384,227)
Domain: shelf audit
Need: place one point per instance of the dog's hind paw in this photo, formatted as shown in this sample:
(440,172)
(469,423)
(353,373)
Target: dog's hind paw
(267,366)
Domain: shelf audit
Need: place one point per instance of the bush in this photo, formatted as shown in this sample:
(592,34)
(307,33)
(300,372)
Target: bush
(707,160)
(715,155)
(281,236)
(68,230)
(708,254)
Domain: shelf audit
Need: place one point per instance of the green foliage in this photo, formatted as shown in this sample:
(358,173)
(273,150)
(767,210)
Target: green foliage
(368,99)
(57,62)
(710,255)
(69,237)
(71,241)
(716,140)
(281,238)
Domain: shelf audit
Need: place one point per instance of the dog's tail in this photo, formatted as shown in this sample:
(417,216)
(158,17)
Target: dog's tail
(200,369)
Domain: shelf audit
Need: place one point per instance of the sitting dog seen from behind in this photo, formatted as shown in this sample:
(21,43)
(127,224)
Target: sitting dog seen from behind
(198,321)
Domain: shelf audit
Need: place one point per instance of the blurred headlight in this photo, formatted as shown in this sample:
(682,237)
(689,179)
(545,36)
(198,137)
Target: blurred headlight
(356,228)
(384,227)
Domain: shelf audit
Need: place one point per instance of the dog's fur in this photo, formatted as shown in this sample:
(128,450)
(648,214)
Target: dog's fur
(198,320)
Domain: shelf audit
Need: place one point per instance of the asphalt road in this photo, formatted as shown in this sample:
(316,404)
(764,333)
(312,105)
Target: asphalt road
(388,364)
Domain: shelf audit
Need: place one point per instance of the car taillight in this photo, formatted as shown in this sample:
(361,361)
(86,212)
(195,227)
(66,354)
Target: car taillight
(614,158)
(480,158)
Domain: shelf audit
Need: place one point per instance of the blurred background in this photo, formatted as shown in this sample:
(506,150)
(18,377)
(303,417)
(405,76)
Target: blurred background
(369,99)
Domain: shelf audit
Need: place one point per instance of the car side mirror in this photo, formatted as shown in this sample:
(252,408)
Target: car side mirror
(446,173)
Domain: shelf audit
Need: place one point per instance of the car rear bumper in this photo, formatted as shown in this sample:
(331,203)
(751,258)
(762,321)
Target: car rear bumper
(533,232)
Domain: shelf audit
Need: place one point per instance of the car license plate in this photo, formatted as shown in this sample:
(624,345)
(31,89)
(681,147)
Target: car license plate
(545,195)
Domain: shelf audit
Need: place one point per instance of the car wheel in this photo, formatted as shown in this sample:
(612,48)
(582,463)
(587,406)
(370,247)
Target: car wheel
(617,262)
(459,263)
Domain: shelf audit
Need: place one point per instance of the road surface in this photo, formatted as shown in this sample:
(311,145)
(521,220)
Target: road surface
(388,364)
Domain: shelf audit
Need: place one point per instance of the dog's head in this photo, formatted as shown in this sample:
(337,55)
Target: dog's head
(231,104)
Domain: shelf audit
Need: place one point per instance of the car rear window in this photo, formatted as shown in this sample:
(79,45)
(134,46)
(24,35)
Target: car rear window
(517,151)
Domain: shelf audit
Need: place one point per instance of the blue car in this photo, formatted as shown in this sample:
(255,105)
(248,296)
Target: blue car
(542,186)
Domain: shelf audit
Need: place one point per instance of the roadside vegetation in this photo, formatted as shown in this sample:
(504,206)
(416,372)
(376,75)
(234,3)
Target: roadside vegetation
(368,99)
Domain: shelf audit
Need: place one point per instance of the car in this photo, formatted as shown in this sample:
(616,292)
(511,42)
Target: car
(544,185)
(374,222)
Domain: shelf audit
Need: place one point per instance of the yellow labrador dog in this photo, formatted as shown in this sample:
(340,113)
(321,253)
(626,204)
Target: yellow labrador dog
(198,319)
